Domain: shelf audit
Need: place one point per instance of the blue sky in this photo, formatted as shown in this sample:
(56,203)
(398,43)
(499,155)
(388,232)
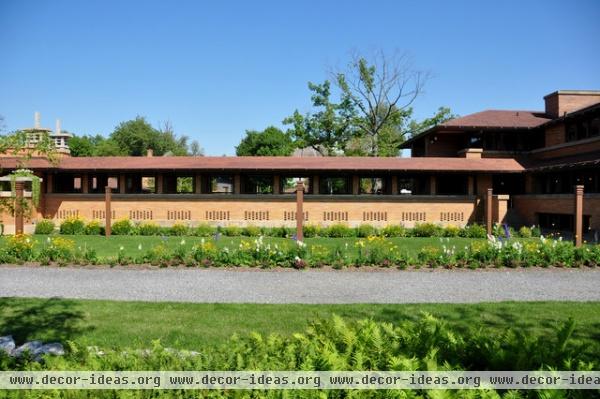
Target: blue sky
(215,69)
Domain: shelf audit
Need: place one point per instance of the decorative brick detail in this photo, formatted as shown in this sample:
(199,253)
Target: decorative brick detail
(256,215)
(291,215)
(335,216)
(452,217)
(140,215)
(101,214)
(375,216)
(179,215)
(413,216)
(68,213)
(217,215)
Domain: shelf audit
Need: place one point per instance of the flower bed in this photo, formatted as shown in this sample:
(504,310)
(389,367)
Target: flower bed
(256,252)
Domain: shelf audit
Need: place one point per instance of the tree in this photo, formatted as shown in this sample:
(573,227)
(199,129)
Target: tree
(136,136)
(442,115)
(328,129)
(380,90)
(270,142)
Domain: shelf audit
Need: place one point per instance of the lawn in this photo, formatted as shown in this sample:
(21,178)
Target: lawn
(110,246)
(192,326)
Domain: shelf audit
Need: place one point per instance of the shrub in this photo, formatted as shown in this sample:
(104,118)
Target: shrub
(122,227)
(94,228)
(204,230)
(44,226)
(338,230)
(535,231)
(20,247)
(72,225)
(58,249)
(311,230)
(473,231)
(426,230)
(178,229)
(525,232)
(366,230)
(251,231)
(231,231)
(451,231)
(394,230)
(148,229)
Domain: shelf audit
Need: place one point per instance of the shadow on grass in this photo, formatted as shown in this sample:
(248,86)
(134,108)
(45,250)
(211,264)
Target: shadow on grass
(53,319)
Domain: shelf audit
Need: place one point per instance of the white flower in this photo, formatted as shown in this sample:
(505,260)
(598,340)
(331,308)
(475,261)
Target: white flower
(139,247)
(182,242)
(121,248)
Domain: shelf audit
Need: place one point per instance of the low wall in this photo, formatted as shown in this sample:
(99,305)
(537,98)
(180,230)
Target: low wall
(271,210)
(529,205)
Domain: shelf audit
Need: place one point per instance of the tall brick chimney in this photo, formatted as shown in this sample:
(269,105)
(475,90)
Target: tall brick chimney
(149,152)
(565,101)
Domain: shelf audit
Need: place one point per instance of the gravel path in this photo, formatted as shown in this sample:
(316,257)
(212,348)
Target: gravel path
(314,286)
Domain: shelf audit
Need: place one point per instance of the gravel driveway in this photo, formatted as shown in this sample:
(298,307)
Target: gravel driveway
(291,286)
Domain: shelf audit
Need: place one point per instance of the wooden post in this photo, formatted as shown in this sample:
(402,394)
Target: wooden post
(394,188)
(276,184)
(107,197)
(432,185)
(197,184)
(489,207)
(19,188)
(355,185)
(300,211)
(578,233)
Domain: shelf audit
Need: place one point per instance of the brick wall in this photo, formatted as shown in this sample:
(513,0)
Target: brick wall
(272,211)
(559,103)
(528,205)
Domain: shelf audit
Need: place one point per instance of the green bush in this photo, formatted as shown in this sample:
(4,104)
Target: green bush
(72,225)
(366,230)
(44,226)
(231,231)
(311,230)
(525,232)
(451,231)
(338,231)
(122,227)
(179,229)
(94,228)
(474,231)
(394,230)
(251,231)
(427,230)
(204,230)
(148,229)
(536,231)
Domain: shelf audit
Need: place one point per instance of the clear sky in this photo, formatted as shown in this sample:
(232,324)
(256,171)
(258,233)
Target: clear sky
(215,69)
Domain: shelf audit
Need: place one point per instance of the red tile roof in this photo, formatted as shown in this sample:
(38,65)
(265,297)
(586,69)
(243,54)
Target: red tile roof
(500,119)
(291,164)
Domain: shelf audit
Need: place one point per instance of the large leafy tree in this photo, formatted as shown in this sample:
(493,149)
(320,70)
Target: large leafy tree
(382,91)
(270,142)
(328,129)
(442,115)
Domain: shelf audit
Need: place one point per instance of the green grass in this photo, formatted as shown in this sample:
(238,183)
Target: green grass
(110,246)
(190,326)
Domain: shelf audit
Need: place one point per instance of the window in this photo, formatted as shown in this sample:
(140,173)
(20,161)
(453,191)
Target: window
(413,184)
(221,184)
(67,183)
(257,184)
(451,184)
(148,184)
(334,185)
(372,185)
(185,185)
(288,184)
(98,182)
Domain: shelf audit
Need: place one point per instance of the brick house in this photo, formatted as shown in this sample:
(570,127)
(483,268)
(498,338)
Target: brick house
(530,159)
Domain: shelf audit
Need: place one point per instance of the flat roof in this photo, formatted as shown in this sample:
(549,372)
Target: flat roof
(280,164)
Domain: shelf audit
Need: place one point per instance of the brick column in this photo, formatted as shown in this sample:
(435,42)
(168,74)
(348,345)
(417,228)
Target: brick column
(489,206)
(159,183)
(300,211)
(578,233)
(315,184)
(394,188)
(432,185)
(276,184)
(49,183)
(197,184)
(471,185)
(355,185)
(237,184)
(84,183)
(19,188)
(122,183)
(107,199)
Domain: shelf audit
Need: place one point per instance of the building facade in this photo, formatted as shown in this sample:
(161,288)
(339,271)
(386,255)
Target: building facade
(531,160)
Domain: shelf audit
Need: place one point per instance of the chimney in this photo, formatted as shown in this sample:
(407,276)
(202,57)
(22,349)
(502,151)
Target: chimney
(149,152)
(562,102)
(36,120)
(57,127)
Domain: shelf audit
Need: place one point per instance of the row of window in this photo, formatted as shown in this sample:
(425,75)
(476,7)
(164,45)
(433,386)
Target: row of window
(451,184)
(584,127)
(564,182)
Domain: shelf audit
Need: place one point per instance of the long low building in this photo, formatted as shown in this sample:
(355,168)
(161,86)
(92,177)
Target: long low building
(531,160)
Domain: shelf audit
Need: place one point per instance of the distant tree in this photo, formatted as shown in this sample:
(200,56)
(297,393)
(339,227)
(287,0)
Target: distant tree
(136,136)
(381,89)
(270,142)
(329,128)
(195,149)
(442,115)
